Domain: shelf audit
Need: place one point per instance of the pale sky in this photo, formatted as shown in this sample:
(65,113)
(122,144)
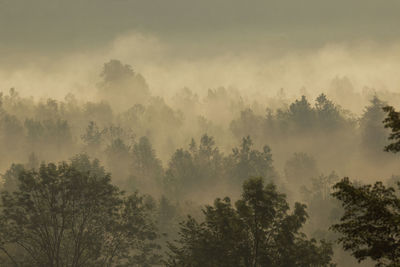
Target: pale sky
(73,24)
(50,47)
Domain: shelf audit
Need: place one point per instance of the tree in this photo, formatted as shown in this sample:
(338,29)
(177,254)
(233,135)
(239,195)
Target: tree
(146,170)
(392,121)
(122,86)
(302,114)
(200,166)
(257,231)
(71,215)
(180,174)
(247,162)
(373,135)
(114,71)
(208,160)
(328,114)
(370,226)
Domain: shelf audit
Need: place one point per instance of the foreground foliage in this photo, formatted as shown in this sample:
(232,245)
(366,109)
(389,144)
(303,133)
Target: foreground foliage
(71,215)
(370,226)
(257,231)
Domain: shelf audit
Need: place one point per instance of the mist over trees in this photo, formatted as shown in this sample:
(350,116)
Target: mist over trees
(192,180)
(369,227)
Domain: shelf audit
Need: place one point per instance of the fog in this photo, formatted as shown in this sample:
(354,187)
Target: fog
(185,102)
(357,69)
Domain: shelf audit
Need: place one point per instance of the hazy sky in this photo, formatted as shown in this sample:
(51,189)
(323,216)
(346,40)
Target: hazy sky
(54,46)
(74,24)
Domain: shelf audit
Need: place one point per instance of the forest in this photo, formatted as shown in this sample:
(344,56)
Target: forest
(132,178)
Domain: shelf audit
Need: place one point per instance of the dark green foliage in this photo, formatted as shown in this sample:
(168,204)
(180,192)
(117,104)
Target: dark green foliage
(71,215)
(370,225)
(392,121)
(257,231)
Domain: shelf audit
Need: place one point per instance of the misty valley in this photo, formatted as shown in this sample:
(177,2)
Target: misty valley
(132,178)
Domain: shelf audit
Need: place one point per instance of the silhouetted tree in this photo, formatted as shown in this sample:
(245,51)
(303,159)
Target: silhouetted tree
(392,121)
(71,215)
(370,225)
(199,167)
(301,114)
(328,114)
(121,85)
(258,231)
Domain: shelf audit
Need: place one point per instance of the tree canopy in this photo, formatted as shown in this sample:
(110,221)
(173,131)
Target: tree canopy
(258,230)
(370,226)
(69,214)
